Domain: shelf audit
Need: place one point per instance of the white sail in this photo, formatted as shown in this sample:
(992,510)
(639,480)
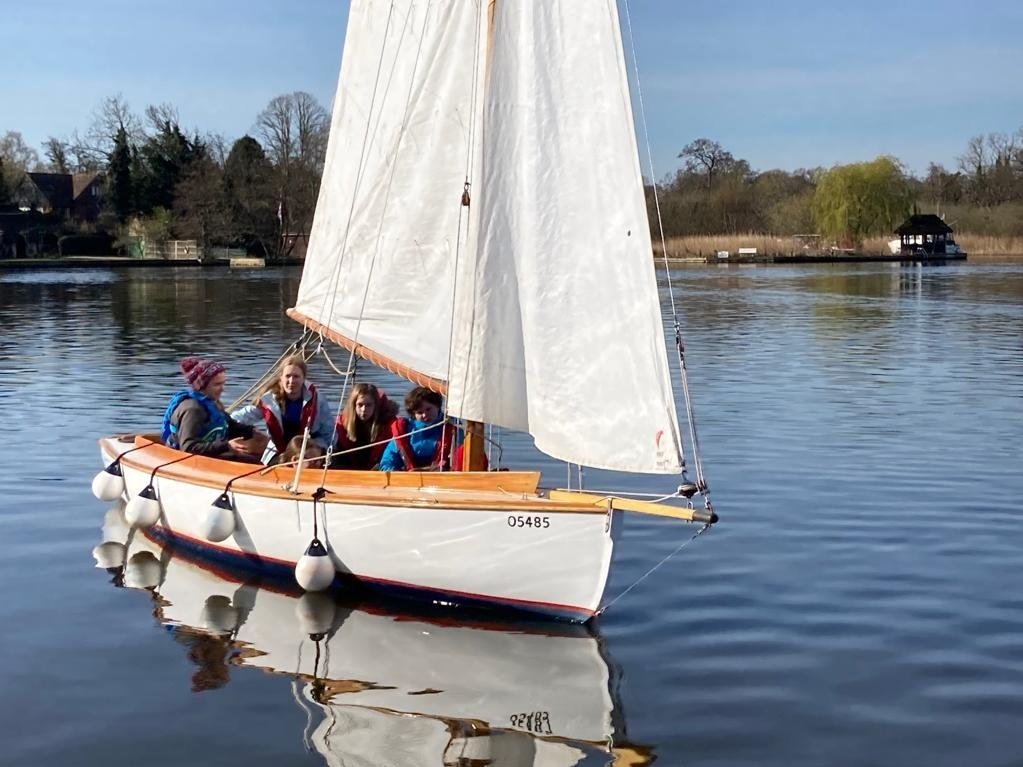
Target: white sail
(381,256)
(538,304)
(559,329)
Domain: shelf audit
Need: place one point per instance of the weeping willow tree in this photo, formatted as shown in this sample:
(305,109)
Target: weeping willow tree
(860,200)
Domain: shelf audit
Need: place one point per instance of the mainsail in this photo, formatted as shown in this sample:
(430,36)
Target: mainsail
(537,304)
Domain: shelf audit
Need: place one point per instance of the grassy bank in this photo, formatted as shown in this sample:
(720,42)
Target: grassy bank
(704,245)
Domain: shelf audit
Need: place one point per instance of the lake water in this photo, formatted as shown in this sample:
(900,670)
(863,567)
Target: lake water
(859,604)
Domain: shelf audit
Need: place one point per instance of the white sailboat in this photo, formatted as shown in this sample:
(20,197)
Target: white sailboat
(382,689)
(481,230)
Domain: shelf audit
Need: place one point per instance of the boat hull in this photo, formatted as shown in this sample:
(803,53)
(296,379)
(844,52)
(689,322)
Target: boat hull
(475,546)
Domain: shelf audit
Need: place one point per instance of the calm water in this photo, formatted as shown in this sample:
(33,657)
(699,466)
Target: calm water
(859,604)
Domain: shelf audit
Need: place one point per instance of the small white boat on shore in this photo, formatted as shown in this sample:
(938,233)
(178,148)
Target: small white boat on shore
(481,230)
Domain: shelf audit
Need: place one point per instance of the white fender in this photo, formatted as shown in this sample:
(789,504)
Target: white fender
(144,509)
(220,520)
(143,571)
(108,485)
(315,570)
(110,555)
(219,615)
(315,613)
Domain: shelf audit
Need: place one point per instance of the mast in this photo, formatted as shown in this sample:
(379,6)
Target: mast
(473,446)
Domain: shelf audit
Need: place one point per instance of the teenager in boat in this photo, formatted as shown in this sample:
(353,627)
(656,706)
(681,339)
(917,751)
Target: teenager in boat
(364,423)
(425,442)
(195,421)
(288,406)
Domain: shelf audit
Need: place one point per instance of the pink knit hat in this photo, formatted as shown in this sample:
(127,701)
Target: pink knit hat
(199,372)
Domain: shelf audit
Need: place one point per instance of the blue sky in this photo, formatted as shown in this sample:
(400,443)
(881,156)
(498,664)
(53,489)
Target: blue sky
(782,84)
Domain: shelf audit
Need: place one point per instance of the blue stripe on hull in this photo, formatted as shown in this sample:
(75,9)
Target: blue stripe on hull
(284,574)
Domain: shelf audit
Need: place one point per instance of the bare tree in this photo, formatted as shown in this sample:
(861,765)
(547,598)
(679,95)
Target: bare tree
(159,115)
(294,130)
(112,115)
(82,155)
(18,158)
(706,157)
(56,152)
(294,127)
(974,161)
(16,152)
(313,128)
(216,146)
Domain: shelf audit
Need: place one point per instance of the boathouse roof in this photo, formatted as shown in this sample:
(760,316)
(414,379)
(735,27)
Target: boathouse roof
(924,223)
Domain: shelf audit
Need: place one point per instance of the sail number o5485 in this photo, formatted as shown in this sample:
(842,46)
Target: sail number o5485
(528,520)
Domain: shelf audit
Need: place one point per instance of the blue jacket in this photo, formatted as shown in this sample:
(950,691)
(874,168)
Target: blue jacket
(422,443)
(194,423)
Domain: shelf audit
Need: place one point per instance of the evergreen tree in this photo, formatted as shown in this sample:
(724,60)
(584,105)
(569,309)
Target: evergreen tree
(251,197)
(120,189)
(161,163)
(5,193)
(199,208)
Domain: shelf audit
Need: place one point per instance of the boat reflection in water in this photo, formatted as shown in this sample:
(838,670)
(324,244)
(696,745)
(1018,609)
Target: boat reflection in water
(382,688)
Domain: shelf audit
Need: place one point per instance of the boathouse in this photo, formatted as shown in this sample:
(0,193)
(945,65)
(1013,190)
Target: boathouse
(926,234)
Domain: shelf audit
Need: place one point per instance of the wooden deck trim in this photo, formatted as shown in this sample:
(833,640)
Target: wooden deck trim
(623,504)
(481,491)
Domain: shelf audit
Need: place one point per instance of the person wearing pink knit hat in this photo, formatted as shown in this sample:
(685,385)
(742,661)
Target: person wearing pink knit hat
(194,421)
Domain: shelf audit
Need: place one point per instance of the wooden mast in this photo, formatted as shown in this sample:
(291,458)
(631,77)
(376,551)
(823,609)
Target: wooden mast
(473,454)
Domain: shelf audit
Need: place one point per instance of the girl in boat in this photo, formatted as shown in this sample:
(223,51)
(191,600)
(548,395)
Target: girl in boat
(366,420)
(289,405)
(423,443)
(195,421)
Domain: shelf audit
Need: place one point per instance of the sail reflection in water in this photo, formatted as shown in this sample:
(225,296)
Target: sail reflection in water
(388,689)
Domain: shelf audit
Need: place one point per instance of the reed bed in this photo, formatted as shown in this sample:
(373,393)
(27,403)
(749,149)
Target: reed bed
(701,246)
(987,245)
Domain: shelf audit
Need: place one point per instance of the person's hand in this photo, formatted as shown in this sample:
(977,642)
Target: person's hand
(253,445)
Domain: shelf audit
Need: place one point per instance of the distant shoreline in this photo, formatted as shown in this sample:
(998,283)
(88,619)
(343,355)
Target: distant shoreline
(111,262)
(772,247)
(688,258)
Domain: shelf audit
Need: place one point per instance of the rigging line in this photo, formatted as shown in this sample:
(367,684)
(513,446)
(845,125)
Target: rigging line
(152,477)
(633,494)
(331,294)
(323,352)
(346,376)
(649,572)
(267,469)
(380,224)
(296,347)
(679,342)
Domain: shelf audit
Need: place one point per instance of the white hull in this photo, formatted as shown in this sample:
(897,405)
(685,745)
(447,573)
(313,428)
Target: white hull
(404,690)
(459,546)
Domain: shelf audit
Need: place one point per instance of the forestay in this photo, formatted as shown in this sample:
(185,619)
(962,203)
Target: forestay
(556,318)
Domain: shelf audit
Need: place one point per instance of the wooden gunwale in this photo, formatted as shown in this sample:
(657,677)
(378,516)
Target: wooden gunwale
(479,491)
